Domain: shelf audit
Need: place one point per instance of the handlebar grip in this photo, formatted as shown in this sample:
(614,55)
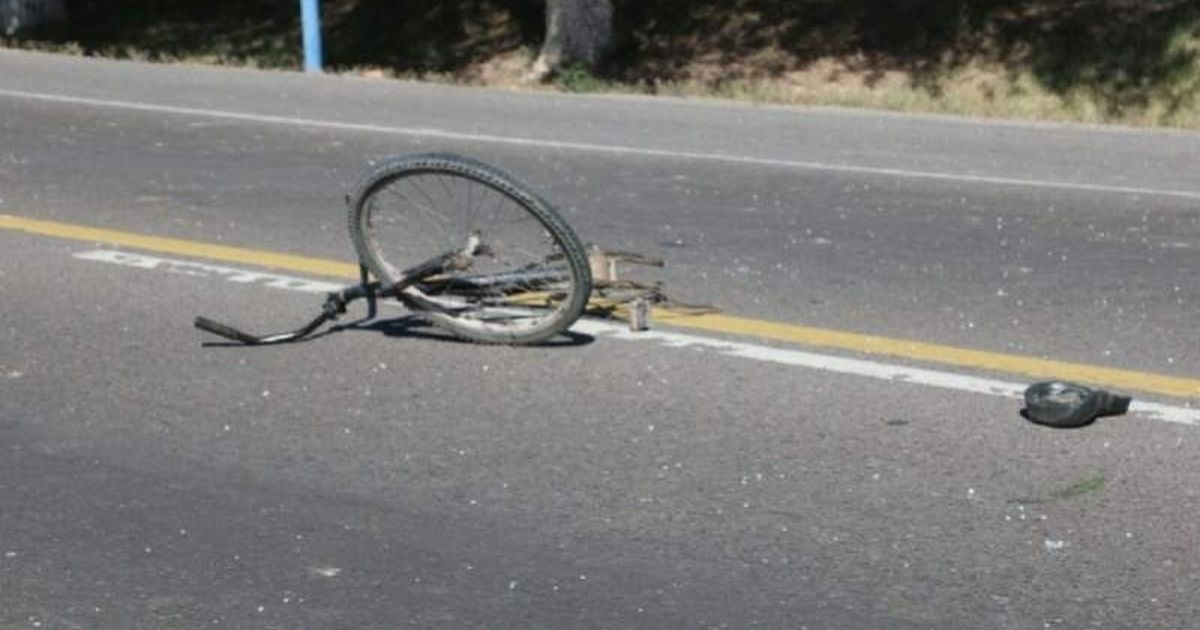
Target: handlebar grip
(228,332)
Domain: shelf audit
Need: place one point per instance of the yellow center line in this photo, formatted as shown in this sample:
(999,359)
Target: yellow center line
(719,323)
(181,247)
(947,355)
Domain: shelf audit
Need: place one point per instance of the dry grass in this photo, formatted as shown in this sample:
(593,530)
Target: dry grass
(974,90)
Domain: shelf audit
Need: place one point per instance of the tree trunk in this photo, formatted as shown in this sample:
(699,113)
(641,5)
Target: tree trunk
(17,15)
(577,32)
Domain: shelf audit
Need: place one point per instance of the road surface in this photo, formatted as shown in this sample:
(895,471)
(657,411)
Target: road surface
(839,452)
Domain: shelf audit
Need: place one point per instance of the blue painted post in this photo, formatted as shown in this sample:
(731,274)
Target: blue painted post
(310,18)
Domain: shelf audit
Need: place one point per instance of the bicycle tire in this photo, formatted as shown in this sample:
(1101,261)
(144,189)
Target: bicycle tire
(392,230)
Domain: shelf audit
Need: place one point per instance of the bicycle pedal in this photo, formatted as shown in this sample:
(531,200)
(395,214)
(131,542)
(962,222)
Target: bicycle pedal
(639,315)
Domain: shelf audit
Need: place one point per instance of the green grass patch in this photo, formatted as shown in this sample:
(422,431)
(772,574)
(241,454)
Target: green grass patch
(1084,486)
(577,78)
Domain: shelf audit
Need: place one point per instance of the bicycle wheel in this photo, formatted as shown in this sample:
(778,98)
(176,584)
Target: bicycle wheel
(527,278)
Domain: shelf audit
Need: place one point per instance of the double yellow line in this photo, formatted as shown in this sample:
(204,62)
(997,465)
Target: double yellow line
(727,324)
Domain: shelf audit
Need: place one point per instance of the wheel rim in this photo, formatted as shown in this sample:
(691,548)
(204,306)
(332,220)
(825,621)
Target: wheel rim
(514,284)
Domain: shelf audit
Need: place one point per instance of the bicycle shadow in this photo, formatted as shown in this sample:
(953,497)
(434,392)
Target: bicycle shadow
(413,327)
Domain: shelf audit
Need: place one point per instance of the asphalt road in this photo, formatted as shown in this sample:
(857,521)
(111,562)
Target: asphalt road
(391,477)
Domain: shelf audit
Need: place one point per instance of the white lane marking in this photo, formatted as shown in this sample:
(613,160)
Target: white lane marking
(205,270)
(859,367)
(426,132)
(600,328)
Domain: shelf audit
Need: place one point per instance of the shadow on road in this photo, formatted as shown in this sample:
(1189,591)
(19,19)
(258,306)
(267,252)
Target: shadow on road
(414,327)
